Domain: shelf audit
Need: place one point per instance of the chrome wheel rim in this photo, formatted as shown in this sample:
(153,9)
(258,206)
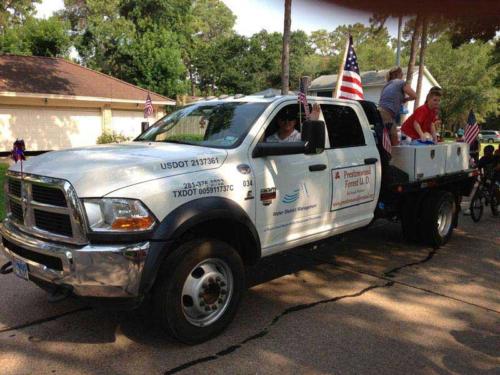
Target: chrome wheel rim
(445,218)
(207,292)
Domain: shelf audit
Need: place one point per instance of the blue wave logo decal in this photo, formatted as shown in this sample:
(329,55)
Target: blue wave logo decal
(290,198)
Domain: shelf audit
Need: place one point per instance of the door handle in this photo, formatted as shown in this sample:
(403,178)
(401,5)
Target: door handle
(317,167)
(371,160)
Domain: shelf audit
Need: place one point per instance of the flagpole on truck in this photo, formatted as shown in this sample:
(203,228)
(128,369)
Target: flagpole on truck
(341,69)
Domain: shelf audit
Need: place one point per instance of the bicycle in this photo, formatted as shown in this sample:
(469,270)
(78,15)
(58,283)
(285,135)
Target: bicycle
(487,193)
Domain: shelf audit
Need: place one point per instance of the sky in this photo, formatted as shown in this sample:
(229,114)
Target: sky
(256,15)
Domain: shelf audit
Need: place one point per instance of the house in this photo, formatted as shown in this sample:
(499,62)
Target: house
(54,104)
(373,82)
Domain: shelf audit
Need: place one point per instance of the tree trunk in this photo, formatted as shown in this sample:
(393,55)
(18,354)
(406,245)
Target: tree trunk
(285,56)
(413,50)
(423,46)
(398,50)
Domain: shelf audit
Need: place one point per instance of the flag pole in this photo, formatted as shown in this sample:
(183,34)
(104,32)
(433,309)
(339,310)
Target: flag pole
(341,69)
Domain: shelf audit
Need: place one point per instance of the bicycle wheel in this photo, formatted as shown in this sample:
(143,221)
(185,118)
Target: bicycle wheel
(476,206)
(494,200)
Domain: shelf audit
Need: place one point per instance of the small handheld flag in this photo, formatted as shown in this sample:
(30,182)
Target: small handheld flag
(350,86)
(472,128)
(148,107)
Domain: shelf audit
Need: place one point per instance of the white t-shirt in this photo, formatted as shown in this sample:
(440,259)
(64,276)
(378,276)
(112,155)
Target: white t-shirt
(293,137)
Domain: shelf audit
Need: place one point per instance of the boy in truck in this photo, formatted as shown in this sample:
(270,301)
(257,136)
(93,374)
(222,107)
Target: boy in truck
(424,119)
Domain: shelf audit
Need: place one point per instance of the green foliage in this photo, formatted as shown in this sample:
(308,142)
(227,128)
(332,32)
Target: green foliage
(37,37)
(111,137)
(3,169)
(467,77)
(15,12)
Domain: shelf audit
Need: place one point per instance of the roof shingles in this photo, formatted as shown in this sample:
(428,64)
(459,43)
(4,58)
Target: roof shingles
(48,75)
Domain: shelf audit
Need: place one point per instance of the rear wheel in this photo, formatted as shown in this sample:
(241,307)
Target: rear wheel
(476,206)
(437,218)
(494,199)
(199,290)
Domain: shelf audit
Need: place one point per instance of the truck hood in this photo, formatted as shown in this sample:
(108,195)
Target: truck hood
(98,170)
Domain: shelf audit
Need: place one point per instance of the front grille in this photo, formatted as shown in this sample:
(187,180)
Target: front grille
(48,195)
(45,207)
(15,187)
(53,222)
(17,211)
(47,260)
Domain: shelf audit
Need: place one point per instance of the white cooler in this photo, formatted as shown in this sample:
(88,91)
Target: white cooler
(457,157)
(420,162)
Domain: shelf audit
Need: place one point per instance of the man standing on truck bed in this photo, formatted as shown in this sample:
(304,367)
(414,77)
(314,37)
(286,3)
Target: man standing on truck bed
(425,118)
(395,92)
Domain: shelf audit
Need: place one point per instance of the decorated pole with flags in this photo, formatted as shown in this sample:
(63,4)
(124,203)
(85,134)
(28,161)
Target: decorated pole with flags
(472,128)
(18,153)
(302,96)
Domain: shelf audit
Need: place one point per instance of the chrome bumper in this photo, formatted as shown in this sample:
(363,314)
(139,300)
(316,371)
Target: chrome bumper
(91,270)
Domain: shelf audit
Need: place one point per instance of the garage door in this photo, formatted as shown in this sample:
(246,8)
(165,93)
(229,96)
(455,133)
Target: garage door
(127,123)
(47,128)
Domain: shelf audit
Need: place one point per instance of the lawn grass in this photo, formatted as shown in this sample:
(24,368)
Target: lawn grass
(3,169)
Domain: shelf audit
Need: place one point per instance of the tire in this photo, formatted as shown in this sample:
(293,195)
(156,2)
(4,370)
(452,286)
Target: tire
(494,200)
(410,217)
(476,206)
(436,225)
(199,289)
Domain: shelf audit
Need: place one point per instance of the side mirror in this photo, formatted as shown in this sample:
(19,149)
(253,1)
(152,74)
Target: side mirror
(313,134)
(275,148)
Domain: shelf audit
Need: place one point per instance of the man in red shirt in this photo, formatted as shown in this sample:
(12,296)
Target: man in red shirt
(425,118)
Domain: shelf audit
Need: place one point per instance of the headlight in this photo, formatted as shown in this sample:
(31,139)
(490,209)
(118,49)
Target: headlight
(118,215)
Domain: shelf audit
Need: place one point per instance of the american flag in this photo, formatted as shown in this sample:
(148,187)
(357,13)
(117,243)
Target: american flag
(386,141)
(351,87)
(148,107)
(472,129)
(302,95)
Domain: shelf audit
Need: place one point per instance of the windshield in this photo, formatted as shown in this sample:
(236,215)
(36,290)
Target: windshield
(221,125)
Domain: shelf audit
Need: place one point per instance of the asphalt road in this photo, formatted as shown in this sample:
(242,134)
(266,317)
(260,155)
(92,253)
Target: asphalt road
(366,304)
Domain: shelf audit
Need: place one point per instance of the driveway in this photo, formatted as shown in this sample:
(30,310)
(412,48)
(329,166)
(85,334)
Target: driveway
(367,303)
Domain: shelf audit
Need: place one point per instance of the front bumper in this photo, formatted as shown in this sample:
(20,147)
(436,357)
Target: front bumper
(111,271)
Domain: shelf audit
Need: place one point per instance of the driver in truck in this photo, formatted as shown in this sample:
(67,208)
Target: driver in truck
(287,121)
(424,119)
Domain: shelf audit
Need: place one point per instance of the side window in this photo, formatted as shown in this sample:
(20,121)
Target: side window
(344,128)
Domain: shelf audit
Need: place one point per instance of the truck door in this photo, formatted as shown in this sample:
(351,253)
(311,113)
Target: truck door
(354,167)
(291,195)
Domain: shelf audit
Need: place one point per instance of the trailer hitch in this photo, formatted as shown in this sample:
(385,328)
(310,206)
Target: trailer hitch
(6,268)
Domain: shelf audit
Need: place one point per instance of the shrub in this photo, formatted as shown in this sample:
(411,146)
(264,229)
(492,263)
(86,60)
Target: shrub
(111,137)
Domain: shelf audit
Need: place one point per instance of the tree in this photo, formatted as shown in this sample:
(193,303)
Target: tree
(37,37)
(15,12)
(413,49)
(470,84)
(322,43)
(421,62)
(285,52)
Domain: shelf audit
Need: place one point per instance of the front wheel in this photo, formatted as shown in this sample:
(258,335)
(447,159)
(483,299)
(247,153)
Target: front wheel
(199,290)
(476,206)
(437,218)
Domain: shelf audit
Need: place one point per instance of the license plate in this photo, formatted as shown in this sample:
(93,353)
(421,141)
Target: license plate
(21,269)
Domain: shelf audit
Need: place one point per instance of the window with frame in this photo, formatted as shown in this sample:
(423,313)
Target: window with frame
(344,128)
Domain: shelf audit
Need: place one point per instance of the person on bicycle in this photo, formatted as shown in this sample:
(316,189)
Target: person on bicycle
(489,164)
